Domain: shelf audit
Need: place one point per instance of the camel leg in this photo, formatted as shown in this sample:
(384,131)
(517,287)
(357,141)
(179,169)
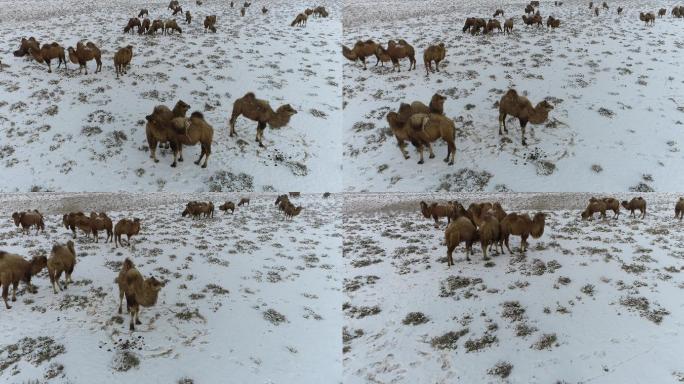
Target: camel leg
(233,117)
(502,121)
(523,243)
(260,133)
(180,152)
(523,123)
(58,275)
(506,238)
(451,151)
(484,249)
(52,281)
(5,289)
(152,142)
(207,152)
(420,152)
(15,285)
(432,154)
(49,66)
(174,148)
(128,240)
(450,254)
(402,148)
(363,60)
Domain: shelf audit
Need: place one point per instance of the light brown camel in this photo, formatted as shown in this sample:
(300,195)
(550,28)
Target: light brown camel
(260,111)
(519,106)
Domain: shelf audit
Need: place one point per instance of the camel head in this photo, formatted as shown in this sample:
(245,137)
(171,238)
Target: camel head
(37,264)
(17,218)
(154,284)
(437,102)
(585,214)
(425,210)
(544,106)
(286,110)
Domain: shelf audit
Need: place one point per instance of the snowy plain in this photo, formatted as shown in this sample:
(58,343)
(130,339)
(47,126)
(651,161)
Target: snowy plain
(248,297)
(65,131)
(616,84)
(590,301)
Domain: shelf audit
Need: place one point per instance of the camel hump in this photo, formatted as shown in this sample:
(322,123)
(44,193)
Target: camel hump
(55,248)
(2,254)
(197,114)
(511,92)
(128,264)
(250,95)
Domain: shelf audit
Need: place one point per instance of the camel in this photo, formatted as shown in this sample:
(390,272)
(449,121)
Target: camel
(361,50)
(508,26)
(23,50)
(422,129)
(122,59)
(498,12)
(493,24)
(552,22)
(84,53)
(160,131)
(188,17)
(138,291)
(300,20)
(434,53)
(143,12)
(132,23)
(637,203)
(209,23)
(519,106)
(460,230)
(647,17)
(679,209)
(156,25)
(400,50)
(260,111)
(47,53)
(14,268)
(144,27)
(173,4)
(171,25)
(190,132)
(474,24)
(536,19)
(521,225)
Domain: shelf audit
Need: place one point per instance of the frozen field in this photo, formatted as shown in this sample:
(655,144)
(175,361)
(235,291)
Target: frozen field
(248,298)
(69,132)
(589,302)
(616,85)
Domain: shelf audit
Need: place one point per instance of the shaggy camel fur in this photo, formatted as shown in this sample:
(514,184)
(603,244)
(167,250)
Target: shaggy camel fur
(14,268)
(156,26)
(382,56)
(361,50)
(138,291)
(209,23)
(243,201)
(401,50)
(83,54)
(126,227)
(552,22)
(498,12)
(122,60)
(679,208)
(460,230)
(498,211)
(143,12)
(474,25)
(23,50)
(188,17)
(49,52)
(613,205)
(508,26)
(161,130)
(132,23)
(397,121)
(594,206)
(536,19)
(519,106)
(300,20)
(226,206)
(69,221)
(490,234)
(435,211)
(191,132)
(521,225)
(260,111)
(171,25)
(434,53)
(637,203)
(493,24)
(101,222)
(292,211)
(144,27)
(647,17)
(29,219)
(423,129)
(62,259)
(198,209)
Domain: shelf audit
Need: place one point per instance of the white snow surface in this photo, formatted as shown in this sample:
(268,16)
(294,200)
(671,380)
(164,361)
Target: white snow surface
(256,262)
(616,84)
(65,131)
(576,282)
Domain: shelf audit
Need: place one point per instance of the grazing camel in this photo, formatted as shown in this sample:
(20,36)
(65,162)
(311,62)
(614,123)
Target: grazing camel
(300,20)
(519,106)
(260,111)
(361,50)
(49,52)
(460,230)
(401,50)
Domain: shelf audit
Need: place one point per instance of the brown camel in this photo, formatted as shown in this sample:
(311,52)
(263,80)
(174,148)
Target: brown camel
(85,53)
(401,50)
(161,130)
(49,52)
(519,106)
(521,225)
(190,132)
(361,50)
(23,50)
(260,111)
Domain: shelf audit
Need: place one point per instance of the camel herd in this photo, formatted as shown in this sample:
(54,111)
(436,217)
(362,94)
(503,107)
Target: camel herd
(172,127)
(396,51)
(301,18)
(490,225)
(137,290)
(421,124)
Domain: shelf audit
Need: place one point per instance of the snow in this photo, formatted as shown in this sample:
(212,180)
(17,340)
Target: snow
(582,272)
(75,132)
(264,263)
(616,85)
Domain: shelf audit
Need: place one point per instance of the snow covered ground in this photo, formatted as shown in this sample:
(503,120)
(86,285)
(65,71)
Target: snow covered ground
(616,85)
(249,298)
(76,132)
(589,302)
